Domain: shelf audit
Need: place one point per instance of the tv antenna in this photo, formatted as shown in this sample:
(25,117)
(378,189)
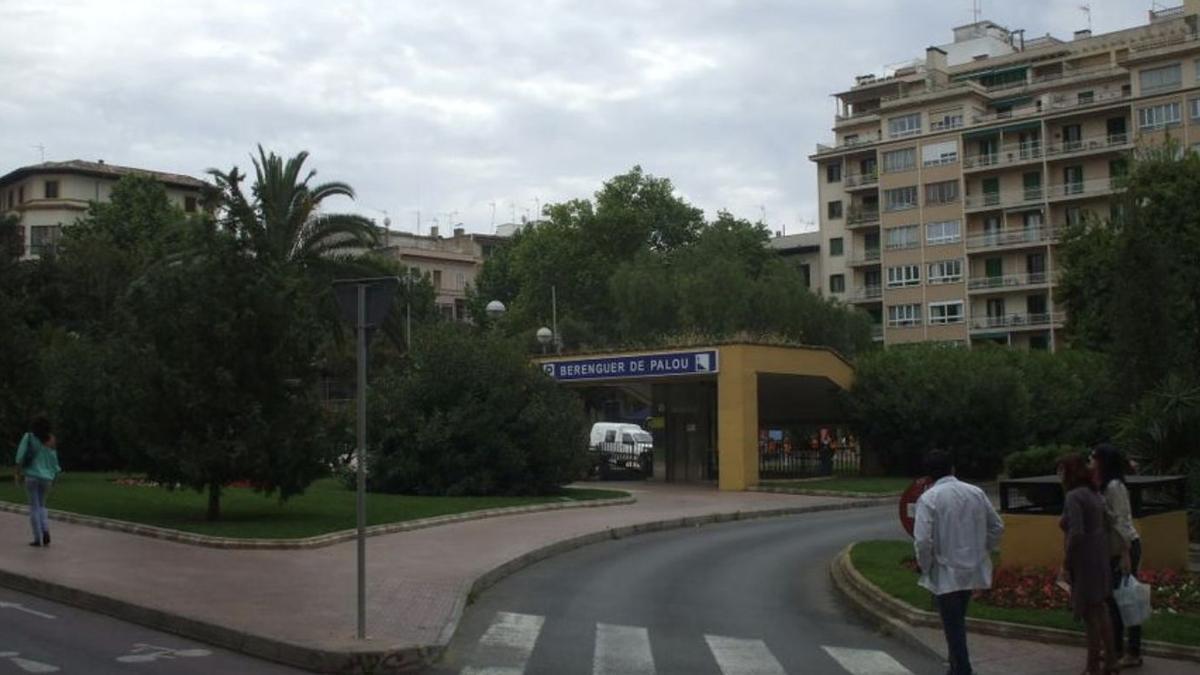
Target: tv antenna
(41,149)
(976,10)
(1086,8)
(493,205)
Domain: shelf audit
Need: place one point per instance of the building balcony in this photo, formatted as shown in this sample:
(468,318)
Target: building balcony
(861,181)
(867,294)
(1009,282)
(865,258)
(857,218)
(849,144)
(1089,146)
(1016,322)
(1013,154)
(1056,104)
(1012,239)
(1084,189)
(992,201)
(877,332)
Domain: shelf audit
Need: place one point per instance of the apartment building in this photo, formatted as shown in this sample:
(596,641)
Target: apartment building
(49,196)
(952,177)
(452,263)
(804,251)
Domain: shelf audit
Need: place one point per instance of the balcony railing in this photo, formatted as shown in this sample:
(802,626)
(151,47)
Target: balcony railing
(867,293)
(1009,281)
(1003,200)
(861,180)
(1009,321)
(1012,153)
(868,256)
(876,331)
(860,217)
(1084,188)
(1026,236)
(1085,145)
(1063,103)
(849,143)
(946,125)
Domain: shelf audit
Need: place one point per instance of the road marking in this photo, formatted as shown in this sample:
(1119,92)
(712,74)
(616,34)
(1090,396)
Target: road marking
(622,650)
(28,665)
(143,653)
(508,642)
(866,661)
(743,657)
(22,608)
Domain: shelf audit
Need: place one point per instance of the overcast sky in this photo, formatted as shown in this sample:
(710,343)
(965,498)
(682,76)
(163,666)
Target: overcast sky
(452,106)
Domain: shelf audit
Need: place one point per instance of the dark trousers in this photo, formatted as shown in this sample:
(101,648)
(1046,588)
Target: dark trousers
(953,609)
(1135,632)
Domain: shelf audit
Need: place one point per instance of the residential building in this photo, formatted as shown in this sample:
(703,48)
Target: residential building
(952,177)
(804,251)
(52,195)
(452,263)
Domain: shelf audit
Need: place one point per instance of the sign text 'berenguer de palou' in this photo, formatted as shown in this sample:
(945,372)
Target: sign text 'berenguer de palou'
(642,365)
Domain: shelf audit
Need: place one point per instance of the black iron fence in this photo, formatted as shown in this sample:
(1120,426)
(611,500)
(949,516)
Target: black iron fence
(622,460)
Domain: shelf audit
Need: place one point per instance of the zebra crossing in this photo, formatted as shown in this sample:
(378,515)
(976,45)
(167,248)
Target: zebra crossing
(509,641)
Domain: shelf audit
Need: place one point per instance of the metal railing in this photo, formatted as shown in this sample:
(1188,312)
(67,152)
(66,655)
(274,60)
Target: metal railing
(1009,281)
(868,256)
(1029,235)
(858,217)
(864,293)
(1090,144)
(1083,188)
(861,179)
(1012,153)
(849,143)
(1029,195)
(946,125)
(778,463)
(1016,321)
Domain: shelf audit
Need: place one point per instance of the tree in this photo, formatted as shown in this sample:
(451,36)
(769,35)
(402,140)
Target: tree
(221,372)
(20,386)
(281,220)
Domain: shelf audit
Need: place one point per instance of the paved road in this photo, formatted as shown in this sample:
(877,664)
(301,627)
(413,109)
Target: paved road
(734,599)
(39,636)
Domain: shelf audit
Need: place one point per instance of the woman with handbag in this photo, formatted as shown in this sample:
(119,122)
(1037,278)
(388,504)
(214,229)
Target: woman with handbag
(37,460)
(1085,561)
(1109,464)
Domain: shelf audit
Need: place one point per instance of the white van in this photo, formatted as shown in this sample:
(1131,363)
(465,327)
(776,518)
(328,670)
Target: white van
(624,447)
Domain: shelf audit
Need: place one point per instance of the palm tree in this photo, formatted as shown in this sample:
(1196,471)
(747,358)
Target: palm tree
(283,222)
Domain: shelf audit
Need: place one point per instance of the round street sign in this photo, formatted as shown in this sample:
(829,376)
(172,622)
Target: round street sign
(908,502)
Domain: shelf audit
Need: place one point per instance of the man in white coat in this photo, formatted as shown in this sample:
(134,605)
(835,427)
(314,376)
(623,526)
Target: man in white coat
(955,531)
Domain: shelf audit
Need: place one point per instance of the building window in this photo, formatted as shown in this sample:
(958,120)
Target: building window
(1158,79)
(905,125)
(20,194)
(460,281)
(837,283)
(943,232)
(1194,104)
(904,315)
(836,246)
(189,204)
(437,280)
(945,192)
(12,199)
(1039,343)
(1085,97)
(900,160)
(833,173)
(905,236)
(42,238)
(945,271)
(941,313)
(1158,116)
(903,275)
(900,199)
(937,154)
(51,189)
(834,210)
(943,120)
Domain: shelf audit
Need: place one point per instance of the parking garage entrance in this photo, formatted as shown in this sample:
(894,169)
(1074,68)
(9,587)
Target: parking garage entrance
(707,407)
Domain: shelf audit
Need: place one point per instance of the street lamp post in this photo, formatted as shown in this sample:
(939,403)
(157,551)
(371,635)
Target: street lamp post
(364,303)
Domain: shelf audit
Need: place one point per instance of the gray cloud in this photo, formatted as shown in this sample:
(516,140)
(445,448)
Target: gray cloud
(449,107)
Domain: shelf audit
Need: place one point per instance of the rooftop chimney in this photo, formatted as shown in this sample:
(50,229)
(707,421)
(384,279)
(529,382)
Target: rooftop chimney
(459,231)
(1083,34)
(433,231)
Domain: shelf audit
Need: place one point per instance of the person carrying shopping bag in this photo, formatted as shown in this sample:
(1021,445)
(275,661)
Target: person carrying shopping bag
(1085,562)
(1109,464)
(37,461)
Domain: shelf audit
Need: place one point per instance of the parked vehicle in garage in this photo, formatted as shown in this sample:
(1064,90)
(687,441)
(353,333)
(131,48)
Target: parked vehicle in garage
(621,448)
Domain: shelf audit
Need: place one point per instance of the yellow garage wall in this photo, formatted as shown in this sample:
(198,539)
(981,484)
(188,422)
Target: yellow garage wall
(1037,541)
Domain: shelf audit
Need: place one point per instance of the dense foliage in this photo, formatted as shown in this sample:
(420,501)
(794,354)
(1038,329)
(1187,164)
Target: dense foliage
(1038,460)
(472,416)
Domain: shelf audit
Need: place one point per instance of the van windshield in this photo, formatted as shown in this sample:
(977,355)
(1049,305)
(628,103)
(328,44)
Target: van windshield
(643,437)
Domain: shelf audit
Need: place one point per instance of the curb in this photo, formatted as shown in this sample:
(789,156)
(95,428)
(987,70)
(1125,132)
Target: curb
(318,541)
(372,658)
(896,616)
(880,496)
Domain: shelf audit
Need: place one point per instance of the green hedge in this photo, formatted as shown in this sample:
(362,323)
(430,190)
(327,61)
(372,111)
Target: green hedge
(1038,460)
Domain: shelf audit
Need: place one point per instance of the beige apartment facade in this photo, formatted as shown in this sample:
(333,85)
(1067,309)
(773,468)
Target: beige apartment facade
(49,196)
(451,263)
(953,177)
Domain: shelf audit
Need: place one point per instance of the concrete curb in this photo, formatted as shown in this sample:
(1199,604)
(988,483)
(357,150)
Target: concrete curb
(371,658)
(318,541)
(896,616)
(881,496)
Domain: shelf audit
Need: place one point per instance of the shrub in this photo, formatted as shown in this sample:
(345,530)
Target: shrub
(1038,460)
(471,415)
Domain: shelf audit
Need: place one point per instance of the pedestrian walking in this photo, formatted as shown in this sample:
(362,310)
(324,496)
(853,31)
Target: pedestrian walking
(1109,465)
(37,462)
(955,531)
(1085,561)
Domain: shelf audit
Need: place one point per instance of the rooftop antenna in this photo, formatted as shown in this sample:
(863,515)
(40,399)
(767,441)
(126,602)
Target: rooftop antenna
(537,202)
(42,149)
(763,211)
(493,205)
(976,10)
(1086,8)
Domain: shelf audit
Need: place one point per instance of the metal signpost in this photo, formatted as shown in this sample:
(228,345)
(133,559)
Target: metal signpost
(365,303)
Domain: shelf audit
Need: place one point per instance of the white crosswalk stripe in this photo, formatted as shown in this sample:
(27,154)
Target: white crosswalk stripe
(622,650)
(866,661)
(506,645)
(743,657)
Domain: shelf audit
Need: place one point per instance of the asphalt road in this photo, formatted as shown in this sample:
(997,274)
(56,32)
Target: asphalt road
(39,636)
(733,599)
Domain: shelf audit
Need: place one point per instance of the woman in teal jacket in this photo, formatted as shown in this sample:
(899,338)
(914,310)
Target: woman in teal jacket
(40,470)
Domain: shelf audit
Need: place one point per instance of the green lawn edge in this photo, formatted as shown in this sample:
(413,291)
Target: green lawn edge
(325,507)
(880,562)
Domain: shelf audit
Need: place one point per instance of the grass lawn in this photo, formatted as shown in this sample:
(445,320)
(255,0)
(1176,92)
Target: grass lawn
(874,485)
(325,507)
(880,562)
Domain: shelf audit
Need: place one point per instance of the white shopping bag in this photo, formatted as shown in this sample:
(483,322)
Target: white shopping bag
(1133,601)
